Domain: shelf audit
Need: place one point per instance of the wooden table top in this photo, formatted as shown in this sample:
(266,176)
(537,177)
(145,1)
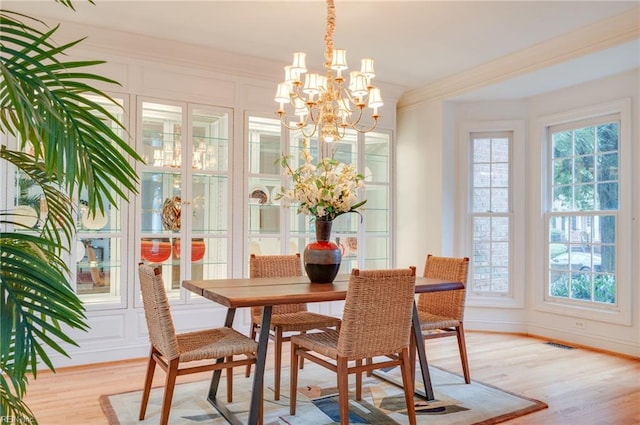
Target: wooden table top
(253,292)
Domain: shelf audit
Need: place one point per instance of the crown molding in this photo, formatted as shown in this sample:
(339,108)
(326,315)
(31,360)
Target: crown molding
(589,39)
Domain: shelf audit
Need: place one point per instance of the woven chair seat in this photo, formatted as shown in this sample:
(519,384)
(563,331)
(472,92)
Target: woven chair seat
(325,343)
(303,321)
(430,321)
(213,343)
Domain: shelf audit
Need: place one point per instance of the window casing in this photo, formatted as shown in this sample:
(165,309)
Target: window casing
(493,220)
(619,312)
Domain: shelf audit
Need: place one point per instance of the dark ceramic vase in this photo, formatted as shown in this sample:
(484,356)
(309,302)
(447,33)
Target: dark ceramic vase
(322,257)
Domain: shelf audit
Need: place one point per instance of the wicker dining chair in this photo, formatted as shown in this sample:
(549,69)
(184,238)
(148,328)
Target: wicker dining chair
(376,322)
(170,350)
(441,314)
(284,318)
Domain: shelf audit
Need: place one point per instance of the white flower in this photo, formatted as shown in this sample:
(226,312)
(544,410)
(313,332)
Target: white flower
(324,190)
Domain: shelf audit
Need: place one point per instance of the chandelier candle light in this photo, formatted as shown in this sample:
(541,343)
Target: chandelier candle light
(323,104)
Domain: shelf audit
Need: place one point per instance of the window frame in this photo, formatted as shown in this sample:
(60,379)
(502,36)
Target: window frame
(515,296)
(621,312)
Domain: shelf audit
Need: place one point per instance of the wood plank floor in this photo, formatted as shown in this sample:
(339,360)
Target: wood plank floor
(581,386)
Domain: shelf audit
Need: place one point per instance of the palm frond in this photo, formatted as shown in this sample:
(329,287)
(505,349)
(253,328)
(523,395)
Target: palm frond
(58,116)
(37,300)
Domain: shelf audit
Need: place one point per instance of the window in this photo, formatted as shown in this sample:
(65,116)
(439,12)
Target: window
(491,233)
(584,206)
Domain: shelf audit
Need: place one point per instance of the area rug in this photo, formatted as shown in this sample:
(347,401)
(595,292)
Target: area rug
(382,402)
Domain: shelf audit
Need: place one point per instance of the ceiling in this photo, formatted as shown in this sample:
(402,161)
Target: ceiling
(414,43)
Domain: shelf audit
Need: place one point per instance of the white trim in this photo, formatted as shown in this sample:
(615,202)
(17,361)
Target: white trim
(598,36)
(517,209)
(621,315)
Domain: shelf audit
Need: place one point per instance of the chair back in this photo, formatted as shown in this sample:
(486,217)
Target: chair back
(276,266)
(377,313)
(162,332)
(445,303)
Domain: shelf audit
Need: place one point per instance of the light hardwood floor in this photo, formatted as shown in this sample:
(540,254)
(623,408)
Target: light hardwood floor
(581,386)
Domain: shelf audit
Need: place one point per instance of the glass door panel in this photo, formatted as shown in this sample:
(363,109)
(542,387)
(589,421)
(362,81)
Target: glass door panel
(264,184)
(210,140)
(185,193)
(99,252)
(209,204)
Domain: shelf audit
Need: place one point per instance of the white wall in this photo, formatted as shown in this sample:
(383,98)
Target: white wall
(423,141)
(420,184)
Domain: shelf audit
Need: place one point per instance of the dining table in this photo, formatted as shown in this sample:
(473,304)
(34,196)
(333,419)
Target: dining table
(235,293)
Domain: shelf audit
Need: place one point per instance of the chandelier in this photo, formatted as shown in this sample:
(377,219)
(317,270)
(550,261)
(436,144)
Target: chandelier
(324,104)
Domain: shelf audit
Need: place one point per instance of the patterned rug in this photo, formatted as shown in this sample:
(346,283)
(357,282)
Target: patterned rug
(382,402)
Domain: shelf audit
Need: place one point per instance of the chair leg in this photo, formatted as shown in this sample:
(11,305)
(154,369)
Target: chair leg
(278,363)
(368,362)
(407,384)
(229,373)
(151,367)
(302,358)
(462,346)
(293,380)
(343,390)
(359,380)
(170,383)
(254,326)
(412,354)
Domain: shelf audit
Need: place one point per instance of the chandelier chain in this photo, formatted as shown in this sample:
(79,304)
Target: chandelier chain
(328,37)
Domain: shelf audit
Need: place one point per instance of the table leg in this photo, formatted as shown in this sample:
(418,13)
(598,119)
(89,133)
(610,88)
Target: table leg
(258,378)
(422,355)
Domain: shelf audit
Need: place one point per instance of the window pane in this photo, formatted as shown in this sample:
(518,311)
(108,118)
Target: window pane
(481,228)
(482,150)
(481,200)
(500,200)
(607,137)
(562,171)
(500,175)
(584,169)
(584,141)
(500,150)
(608,167)
(481,175)
(562,144)
(584,197)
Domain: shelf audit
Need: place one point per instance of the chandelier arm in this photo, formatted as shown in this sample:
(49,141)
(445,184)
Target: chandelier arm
(345,93)
(298,126)
(366,130)
(351,122)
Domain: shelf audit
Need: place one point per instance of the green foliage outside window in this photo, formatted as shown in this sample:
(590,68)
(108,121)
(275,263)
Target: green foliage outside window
(603,289)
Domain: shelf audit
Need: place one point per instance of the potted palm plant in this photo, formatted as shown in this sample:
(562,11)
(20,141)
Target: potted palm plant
(63,147)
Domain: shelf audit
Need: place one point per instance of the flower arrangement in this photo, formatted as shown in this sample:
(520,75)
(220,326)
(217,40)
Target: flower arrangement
(324,190)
